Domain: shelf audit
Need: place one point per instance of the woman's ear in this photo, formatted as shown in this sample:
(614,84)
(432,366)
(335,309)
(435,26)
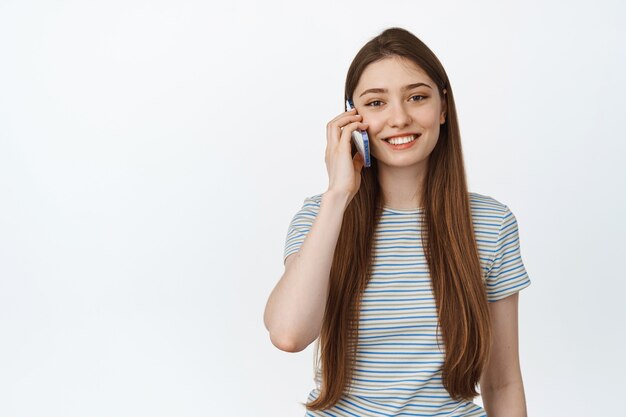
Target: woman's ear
(444,106)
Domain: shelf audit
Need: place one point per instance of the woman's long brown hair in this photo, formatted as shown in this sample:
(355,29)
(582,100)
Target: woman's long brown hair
(448,239)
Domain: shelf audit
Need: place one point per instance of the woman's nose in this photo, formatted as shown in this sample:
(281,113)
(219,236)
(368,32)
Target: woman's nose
(399,117)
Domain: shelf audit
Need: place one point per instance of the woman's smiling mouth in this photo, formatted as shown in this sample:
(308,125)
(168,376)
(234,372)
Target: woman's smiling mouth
(402,142)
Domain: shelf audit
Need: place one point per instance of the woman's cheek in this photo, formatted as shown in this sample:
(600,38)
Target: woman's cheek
(428,116)
(374,126)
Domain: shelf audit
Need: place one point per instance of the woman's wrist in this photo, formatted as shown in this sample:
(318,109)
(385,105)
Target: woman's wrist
(336,198)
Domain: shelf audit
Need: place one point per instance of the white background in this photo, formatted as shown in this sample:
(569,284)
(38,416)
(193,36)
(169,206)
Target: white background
(153,153)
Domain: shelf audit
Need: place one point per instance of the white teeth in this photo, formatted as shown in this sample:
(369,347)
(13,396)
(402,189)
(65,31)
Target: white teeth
(401,140)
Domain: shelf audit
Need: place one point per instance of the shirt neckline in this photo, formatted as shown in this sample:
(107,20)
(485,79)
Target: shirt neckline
(404,211)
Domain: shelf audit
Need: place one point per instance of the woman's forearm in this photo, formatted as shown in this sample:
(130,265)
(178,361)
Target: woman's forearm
(507,401)
(295,309)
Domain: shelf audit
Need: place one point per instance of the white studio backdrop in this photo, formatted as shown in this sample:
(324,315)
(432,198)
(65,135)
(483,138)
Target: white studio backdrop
(152,155)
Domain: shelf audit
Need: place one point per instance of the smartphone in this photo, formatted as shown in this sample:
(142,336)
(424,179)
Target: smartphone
(360,139)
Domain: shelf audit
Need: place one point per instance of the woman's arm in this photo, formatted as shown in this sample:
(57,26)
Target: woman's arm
(295,309)
(501,386)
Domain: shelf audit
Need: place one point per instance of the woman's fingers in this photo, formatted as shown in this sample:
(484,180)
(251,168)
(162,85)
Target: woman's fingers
(346,132)
(342,143)
(333,128)
(358,162)
(343,169)
(345,113)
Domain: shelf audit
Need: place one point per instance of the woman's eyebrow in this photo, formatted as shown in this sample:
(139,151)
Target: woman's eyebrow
(384,90)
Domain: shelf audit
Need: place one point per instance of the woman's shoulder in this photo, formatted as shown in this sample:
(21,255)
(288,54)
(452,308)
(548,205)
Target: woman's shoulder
(310,205)
(486,203)
(313,202)
(316,198)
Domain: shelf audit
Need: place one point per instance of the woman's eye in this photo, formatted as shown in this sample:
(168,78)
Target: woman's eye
(420,97)
(372,102)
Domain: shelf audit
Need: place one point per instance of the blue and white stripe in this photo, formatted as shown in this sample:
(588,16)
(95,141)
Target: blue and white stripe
(398,363)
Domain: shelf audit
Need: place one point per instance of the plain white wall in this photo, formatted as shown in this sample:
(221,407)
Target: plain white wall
(153,153)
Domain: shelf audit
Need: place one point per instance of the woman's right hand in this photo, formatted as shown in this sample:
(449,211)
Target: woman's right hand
(344,172)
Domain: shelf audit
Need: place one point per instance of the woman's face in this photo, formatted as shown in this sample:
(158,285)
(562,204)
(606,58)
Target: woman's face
(396,97)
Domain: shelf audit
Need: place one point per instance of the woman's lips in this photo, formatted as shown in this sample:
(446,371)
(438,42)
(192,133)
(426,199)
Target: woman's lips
(403,145)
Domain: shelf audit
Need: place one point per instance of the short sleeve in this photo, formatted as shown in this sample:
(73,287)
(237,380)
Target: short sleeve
(507,274)
(301,224)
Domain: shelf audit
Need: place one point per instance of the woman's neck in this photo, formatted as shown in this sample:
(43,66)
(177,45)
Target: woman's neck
(401,187)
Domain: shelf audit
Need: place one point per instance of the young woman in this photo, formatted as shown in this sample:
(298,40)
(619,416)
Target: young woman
(408,281)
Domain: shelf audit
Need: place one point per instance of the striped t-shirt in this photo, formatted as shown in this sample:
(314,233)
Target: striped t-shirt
(398,363)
